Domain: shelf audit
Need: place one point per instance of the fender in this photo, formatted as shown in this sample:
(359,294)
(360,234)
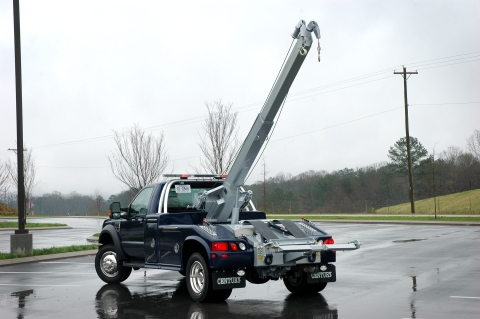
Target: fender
(110,230)
(201,241)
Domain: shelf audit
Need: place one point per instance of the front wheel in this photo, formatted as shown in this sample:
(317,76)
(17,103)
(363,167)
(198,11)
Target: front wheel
(108,267)
(199,283)
(296,283)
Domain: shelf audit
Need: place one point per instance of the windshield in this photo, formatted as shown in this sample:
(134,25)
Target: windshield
(181,195)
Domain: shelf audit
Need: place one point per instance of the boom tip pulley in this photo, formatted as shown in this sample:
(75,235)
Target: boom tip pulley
(304,31)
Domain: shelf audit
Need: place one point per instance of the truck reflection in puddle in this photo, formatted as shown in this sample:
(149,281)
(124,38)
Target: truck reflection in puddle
(117,302)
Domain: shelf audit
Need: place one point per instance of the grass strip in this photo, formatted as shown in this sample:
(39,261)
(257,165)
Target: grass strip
(401,218)
(50,251)
(29,225)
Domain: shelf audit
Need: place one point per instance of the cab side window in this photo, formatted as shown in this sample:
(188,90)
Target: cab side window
(140,203)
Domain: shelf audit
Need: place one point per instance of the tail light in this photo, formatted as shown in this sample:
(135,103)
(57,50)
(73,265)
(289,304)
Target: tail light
(224,246)
(329,241)
(220,246)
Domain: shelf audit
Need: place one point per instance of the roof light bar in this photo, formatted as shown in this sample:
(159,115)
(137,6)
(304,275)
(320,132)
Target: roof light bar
(184,176)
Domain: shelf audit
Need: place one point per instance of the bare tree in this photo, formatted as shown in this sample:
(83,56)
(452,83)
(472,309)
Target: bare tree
(98,202)
(3,175)
(451,154)
(219,144)
(29,174)
(140,159)
(473,144)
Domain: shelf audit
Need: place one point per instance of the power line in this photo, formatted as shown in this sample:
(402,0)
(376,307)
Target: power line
(256,104)
(449,103)
(448,57)
(69,167)
(441,66)
(336,125)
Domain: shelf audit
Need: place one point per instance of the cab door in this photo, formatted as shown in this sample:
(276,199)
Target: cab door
(132,230)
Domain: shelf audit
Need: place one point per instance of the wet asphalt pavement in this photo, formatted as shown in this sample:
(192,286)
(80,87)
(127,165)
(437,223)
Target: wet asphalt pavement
(81,229)
(402,271)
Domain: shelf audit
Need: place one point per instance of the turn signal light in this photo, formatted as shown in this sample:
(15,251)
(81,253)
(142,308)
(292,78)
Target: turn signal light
(233,246)
(329,241)
(220,246)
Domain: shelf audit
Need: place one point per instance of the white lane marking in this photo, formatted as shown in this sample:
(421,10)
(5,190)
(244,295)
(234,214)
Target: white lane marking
(26,272)
(464,297)
(63,262)
(26,285)
(43,272)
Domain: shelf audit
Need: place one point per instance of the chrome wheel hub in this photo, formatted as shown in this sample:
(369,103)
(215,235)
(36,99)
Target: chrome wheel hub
(197,277)
(109,264)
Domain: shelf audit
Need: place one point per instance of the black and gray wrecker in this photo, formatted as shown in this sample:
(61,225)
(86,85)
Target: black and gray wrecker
(207,228)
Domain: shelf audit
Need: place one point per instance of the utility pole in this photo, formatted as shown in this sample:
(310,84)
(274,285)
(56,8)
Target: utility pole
(434,194)
(21,241)
(409,158)
(264,185)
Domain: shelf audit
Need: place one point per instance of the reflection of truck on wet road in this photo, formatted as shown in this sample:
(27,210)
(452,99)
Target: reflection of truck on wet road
(207,228)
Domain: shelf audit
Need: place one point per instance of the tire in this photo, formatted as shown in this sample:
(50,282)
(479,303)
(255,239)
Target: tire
(199,283)
(108,267)
(296,283)
(111,301)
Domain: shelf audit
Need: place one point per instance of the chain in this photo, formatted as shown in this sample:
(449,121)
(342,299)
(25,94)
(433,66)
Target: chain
(318,49)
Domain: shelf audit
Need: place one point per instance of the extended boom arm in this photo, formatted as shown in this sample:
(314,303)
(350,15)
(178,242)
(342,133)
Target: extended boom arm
(225,201)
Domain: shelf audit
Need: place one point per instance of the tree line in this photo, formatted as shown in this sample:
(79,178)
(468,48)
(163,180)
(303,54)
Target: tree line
(140,158)
(375,186)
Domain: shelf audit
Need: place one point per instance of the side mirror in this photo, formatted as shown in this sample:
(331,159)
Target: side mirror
(114,210)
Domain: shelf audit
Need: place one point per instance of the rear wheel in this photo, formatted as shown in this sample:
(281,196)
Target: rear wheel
(108,268)
(199,283)
(296,283)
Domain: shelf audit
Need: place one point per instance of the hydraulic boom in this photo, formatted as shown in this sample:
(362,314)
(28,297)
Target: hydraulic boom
(226,201)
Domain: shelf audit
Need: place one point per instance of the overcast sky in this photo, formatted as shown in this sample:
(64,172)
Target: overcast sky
(92,67)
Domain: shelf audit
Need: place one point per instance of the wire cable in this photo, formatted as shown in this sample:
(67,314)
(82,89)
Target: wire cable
(268,139)
(196,119)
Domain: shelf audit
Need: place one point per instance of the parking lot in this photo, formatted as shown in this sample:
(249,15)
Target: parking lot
(402,271)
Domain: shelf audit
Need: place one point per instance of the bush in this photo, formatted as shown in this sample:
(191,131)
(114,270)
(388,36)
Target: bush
(7,210)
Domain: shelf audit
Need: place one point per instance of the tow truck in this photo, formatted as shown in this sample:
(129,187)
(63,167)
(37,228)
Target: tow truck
(207,228)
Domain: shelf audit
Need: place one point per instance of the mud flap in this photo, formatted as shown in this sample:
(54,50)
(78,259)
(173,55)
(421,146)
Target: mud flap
(227,280)
(329,275)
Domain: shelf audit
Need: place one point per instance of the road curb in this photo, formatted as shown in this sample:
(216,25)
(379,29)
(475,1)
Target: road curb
(92,239)
(38,228)
(41,258)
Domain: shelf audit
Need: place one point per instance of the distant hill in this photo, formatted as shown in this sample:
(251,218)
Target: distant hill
(7,210)
(459,203)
